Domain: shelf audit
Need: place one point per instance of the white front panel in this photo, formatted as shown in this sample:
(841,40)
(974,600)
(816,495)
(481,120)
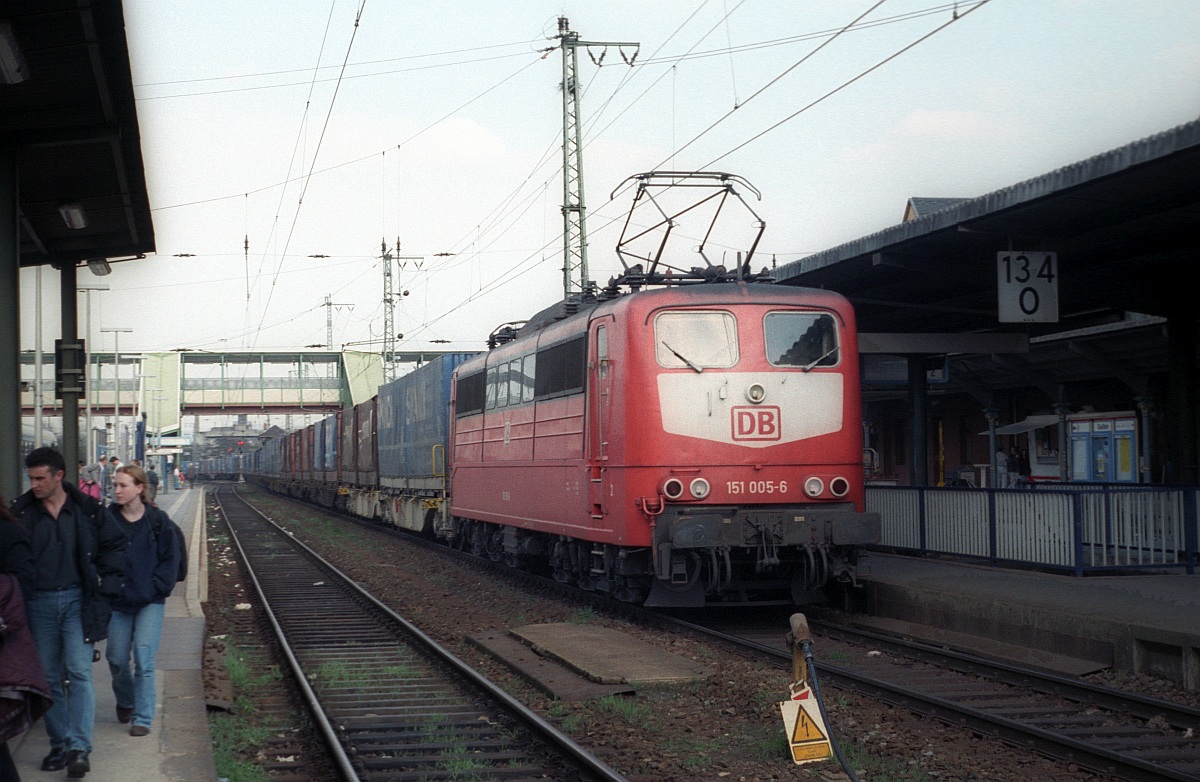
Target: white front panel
(713,406)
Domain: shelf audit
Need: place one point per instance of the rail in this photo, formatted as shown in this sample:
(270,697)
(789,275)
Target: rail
(1113,733)
(1078,528)
(390,701)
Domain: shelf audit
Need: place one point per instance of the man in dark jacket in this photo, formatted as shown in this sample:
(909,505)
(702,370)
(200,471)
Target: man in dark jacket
(78,554)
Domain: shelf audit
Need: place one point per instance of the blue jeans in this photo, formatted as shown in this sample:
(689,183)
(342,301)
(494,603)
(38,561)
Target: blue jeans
(136,636)
(56,623)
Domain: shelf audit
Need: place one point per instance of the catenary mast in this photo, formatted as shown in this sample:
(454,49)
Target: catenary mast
(574,211)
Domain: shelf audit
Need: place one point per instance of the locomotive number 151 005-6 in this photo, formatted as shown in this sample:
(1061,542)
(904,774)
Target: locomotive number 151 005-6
(756,487)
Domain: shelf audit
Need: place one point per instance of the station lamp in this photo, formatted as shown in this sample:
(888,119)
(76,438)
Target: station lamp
(74,216)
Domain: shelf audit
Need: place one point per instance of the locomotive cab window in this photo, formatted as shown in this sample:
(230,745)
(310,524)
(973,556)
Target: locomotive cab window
(801,339)
(695,340)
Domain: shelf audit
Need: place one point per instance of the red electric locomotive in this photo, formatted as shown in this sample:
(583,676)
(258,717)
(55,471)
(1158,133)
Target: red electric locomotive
(696,442)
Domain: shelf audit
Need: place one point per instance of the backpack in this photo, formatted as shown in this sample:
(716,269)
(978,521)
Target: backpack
(180,543)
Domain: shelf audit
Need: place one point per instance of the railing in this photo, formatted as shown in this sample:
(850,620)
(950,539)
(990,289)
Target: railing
(1078,527)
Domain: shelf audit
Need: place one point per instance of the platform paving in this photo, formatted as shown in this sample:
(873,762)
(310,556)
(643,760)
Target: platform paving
(1135,623)
(179,748)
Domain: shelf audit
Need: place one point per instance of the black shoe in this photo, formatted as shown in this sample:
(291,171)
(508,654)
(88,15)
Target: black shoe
(124,715)
(77,764)
(56,760)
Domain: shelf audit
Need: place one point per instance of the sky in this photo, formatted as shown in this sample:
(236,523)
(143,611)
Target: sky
(286,140)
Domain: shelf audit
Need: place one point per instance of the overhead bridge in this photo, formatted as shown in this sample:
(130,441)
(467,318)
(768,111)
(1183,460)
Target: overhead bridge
(168,386)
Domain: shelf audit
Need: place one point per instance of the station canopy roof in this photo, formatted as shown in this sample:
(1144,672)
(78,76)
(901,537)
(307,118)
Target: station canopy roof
(1125,225)
(74,125)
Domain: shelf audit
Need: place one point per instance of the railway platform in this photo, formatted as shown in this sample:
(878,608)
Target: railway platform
(179,748)
(1144,623)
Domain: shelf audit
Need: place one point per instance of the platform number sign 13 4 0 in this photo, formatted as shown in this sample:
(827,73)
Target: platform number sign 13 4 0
(1028,287)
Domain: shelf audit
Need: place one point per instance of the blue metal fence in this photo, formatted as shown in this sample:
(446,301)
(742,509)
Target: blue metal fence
(1077,527)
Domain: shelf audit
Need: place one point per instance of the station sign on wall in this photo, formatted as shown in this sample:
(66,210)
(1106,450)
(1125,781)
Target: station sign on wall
(1027,284)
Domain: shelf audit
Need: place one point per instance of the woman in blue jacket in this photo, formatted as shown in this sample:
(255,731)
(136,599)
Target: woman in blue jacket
(151,565)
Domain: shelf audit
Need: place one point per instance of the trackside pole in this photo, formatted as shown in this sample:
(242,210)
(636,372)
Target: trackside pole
(808,736)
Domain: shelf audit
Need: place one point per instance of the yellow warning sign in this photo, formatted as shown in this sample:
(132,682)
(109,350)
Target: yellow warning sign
(806,730)
(807,735)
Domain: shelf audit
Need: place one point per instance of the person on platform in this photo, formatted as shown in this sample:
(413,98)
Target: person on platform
(152,483)
(88,483)
(1001,469)
(24,694)
(113,464)
(78,553)
(151,565)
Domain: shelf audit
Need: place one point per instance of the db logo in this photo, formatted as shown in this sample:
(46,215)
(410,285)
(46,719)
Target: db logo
(756,423)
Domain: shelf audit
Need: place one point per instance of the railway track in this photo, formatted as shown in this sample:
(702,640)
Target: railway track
(1126,735)
(1105,730)
(390,702)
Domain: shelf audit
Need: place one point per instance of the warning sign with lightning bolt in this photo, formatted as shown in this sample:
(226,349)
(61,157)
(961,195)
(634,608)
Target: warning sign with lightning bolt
(806,731)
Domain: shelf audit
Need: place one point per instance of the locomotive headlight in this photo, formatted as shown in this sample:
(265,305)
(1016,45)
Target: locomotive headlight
(839,486)
(756,393)
(673,489)
(700,488)
(814,486)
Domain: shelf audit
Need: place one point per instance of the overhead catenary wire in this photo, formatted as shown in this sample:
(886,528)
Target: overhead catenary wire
(261,74)
(775,80)
(325,81)
(955,7)
(362,158)
(517,271)
(637,66)
(316,153)
(300,132)
(498,213)
(959,15)
(505,278)
(514,203)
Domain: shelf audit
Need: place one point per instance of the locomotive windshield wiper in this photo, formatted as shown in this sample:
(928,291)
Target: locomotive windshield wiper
(827,354)
(684,359)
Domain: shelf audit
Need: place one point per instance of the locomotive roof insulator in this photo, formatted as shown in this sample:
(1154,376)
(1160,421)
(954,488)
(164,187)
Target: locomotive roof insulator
(505,332)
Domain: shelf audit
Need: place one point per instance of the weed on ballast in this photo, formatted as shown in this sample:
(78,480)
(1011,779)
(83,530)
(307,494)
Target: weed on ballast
(583,616)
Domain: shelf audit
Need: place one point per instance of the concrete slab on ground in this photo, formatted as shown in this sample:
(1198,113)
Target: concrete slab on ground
(609,656)
(548,675)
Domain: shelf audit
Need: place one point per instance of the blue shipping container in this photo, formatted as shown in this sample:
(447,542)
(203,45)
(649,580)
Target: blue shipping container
(414,420)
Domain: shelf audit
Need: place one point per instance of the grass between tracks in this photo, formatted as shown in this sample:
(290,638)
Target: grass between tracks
(239,735)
